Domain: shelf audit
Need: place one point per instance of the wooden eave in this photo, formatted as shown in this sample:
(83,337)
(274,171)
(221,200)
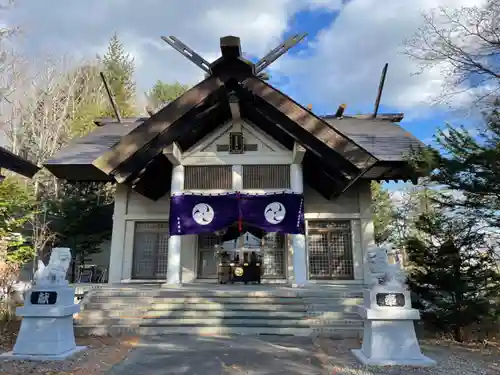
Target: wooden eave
(17,164)
(307,122)
(323,170)
(134,143)
(155,180)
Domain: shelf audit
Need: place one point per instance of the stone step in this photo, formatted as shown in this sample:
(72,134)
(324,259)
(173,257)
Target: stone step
(230,300)
(166,293)
(252,314)
(327,319)
(346,306)
(247,322)
(235,307)
(111,304)
(256,294)
(328,303)
(225,322)
(102,330)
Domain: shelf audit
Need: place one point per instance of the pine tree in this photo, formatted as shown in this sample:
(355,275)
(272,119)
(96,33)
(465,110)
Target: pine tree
(119,67)
(163,93)
(82,218)
(452,273)
(469,166)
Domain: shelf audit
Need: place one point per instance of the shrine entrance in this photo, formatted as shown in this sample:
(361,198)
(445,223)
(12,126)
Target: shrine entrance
(241,236)
(268,249)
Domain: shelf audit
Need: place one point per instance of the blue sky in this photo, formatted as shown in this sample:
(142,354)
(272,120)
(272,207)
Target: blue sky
(340,61)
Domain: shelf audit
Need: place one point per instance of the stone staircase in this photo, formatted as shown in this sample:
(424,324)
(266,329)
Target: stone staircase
(212,309)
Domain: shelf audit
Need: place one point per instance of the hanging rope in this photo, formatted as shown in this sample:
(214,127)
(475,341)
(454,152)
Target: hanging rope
(240,216)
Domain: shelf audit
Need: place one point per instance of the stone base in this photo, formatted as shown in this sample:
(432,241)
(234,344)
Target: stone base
(36,357)
(423,361)
(171,286)
(391,342)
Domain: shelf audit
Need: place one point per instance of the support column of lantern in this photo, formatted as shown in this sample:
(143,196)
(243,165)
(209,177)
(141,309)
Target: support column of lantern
(174,241)
(298,241)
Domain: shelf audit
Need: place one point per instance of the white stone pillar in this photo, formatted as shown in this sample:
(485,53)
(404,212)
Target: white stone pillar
(298,241)
(118,235)
(175,241)
(367,228)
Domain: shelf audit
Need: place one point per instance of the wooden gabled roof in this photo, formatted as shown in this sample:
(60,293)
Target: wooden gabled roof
(17,164)
(334,159)
(206,105)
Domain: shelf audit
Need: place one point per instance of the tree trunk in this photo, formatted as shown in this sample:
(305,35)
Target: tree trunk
(458,333)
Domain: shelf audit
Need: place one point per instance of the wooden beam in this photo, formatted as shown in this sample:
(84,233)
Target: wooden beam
(188,126)
(173,153)
(234,106)
(298,153)
(380,89)
(153,126)
(391,117)
(324,183)
(314,125)
(17,164)
(154,182)
(264,112)
(230,47)
(187,52)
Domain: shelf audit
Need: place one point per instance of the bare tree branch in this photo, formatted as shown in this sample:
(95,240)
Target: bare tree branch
(464,45)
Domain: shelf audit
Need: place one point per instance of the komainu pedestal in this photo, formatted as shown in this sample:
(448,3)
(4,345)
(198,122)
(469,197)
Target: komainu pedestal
(389,336)
(47,327)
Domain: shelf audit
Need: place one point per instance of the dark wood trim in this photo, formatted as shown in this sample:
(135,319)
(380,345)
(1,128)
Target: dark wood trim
(266,125)
(78,172)
(301,135)
(313,124)
(230,46)
(205,123)
(155,181)
(156,124)
(17,164)
(195,121)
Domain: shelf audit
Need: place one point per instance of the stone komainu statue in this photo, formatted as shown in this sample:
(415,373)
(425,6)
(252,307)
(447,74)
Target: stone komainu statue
(381,272)
(54,273)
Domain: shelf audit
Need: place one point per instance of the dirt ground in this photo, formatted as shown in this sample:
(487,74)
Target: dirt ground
(332,356)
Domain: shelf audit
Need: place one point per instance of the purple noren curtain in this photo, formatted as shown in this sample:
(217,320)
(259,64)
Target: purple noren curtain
(282,213)
(197,213)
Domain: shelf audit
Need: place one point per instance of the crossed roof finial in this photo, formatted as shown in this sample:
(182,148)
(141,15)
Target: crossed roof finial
(231,49)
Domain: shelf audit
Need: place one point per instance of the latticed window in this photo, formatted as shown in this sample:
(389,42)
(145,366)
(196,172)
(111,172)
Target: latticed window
(208,177)
(266,177)
(150,250)
(329,246)
(273,255)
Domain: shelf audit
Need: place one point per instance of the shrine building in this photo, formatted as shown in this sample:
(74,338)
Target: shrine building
(235,166)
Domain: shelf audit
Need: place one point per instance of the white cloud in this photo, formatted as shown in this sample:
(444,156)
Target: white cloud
(349,55)
(344,65)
